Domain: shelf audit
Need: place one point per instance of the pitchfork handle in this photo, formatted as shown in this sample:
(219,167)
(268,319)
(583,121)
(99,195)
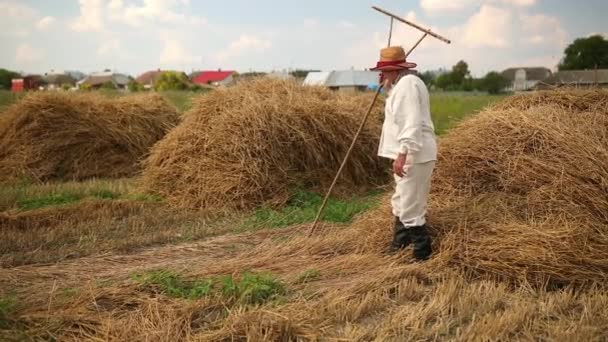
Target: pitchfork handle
(350,149)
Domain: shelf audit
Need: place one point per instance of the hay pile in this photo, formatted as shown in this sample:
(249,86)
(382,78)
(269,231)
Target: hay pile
(575,100)
(54,135)
(246,145)
(520,190)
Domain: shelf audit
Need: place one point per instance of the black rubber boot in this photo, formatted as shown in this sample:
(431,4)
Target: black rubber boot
(401,236)
(422,242)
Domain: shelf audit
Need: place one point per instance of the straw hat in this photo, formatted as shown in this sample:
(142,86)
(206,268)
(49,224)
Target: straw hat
(393,58)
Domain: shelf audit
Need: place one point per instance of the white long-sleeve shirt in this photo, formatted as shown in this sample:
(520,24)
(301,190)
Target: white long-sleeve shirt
(408,127)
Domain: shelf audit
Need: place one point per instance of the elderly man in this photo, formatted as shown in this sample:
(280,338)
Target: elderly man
(408,139)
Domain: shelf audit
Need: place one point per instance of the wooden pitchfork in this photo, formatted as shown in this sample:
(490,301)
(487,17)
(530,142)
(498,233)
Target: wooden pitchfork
(427,32)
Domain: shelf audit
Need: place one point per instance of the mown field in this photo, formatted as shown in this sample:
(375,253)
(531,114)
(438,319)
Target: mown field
(61,205)
(105,260)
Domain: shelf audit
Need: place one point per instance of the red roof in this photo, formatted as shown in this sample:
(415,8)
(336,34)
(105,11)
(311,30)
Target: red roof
(206,77)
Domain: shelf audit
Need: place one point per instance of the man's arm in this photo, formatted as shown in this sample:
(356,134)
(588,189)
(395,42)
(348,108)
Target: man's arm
(408,110)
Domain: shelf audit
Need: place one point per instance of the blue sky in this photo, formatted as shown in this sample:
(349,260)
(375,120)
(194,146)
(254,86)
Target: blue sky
(133,36)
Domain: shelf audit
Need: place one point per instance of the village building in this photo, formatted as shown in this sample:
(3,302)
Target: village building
(215,78)
(344,80)
(524,79)
(576,78)
(107,78)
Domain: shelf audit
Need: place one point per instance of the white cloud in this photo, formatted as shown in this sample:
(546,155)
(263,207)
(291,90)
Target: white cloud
(247,43)
(540,29)
(174,54)
(109,46)
(115,4)
(91,16)
(490,27)
(344,24)
(163,11)
(520,3)
(14,17)
(458,5)
(45,23)
(27,54)
(311,22)
(443,5)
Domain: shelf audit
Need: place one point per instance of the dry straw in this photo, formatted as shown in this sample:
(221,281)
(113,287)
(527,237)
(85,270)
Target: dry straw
(518,195)
(246,145)
(520,189)
(56,135)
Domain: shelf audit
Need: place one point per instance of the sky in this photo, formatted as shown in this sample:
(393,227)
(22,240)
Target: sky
(133,36)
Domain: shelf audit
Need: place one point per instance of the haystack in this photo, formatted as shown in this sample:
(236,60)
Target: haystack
(522,193)
(64,136)
(246,145)
(571,99)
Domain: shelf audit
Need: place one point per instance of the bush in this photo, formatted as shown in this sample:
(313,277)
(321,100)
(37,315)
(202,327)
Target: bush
(108,85)
(171,80)
(493,83)
(135,86)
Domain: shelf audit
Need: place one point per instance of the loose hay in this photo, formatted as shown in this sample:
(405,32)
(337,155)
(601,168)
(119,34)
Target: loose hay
(60,136)
(245,145)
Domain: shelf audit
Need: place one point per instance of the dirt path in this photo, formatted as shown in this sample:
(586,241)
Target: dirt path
(116,266)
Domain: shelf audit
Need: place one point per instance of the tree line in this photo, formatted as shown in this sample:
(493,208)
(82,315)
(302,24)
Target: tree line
(459,78)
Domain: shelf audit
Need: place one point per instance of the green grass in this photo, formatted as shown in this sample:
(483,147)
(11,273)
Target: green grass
(27,196)
(448,109)
(182,100)
(7,98)
(48,200)
(174,285)
(7,306)
(303,207)
(250,288)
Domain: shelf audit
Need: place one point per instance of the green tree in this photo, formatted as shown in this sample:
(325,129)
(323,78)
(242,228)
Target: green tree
(6,77)
(428,77)
(171,80)
(586,53)
(493,82)
(135,86)
(298,73)
(460,72)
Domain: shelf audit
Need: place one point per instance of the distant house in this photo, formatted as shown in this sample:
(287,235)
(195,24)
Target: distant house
(344,80)
(57,80)
(576,78)
(523,79)
(148,78)
(353,80)
(214,78)
(317,78)
(30,82)
(76,75)
(97,80)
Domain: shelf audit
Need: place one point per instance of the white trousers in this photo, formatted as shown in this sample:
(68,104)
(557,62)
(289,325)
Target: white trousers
(411,194)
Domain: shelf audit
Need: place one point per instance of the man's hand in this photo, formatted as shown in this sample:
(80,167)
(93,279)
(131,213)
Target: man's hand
(399,165)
